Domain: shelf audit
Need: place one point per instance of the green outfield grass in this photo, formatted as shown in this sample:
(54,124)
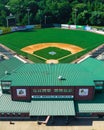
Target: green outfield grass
(52,53)
(86,40)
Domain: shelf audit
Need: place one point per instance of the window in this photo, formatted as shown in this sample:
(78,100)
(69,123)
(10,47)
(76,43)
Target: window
(2,114)
(55,90)
(8,113)
(13,114)
(48,90)
(44,90)
(19,114)
(99,84)
(70,90)
(65,90)
(5,85)
(34,90)
(39,90)
(60,90)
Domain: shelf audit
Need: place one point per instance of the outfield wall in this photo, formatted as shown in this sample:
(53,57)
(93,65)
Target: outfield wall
(38,26)
(78,27)
(19,28)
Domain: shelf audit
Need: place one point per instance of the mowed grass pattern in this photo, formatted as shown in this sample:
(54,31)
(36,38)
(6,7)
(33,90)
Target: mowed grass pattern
(86,40)
(52,53)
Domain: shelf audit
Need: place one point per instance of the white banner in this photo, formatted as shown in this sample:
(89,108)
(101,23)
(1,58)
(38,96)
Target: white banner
(66,26)
(72,26)
(83,92)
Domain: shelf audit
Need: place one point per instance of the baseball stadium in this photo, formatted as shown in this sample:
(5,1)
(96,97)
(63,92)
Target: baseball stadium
(51,72)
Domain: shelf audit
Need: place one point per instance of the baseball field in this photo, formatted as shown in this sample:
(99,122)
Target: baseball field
(60,45)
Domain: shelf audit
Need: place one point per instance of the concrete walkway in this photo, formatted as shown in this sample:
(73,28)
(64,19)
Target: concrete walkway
(31,125)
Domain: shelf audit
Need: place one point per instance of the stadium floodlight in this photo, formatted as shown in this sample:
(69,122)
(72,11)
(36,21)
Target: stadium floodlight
(28,11)
(75,21)
(45,19)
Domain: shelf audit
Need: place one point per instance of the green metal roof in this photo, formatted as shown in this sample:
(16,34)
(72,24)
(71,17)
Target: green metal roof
(82,74)
(53,107)
(95,105)
(95,67)
(47,75)
(92,64)
(9,65)
(37,107)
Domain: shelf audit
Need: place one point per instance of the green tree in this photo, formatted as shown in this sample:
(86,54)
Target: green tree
(97,18)
(57,11)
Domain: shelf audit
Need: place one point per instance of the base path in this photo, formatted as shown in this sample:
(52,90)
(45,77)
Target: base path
(32,48)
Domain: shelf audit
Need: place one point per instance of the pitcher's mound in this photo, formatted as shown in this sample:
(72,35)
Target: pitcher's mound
(52,61)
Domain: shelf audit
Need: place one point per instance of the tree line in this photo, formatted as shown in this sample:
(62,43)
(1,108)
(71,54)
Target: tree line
(81,12)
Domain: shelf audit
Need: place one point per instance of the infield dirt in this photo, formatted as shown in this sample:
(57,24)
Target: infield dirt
(32,48)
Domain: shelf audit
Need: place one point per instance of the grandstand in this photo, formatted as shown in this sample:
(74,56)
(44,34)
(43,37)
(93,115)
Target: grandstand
(5,52)
(98,51)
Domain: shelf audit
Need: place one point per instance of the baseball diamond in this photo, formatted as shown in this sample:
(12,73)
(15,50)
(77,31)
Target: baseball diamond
(85,40)
(52,52)
(40,50)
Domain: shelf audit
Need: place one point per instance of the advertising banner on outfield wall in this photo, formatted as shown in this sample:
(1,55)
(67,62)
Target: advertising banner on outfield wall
(38,26)
(57,25)
(21,28)
(13,29)
(30,26)
(6,30)
(66,26)
(87,28)
(1,31)
(79,27)
(72,26)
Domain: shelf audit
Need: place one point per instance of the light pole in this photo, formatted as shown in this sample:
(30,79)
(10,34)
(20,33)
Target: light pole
(45,19)
(7,21)
(40,15)
(75,21)
(8,7)
(28,11)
